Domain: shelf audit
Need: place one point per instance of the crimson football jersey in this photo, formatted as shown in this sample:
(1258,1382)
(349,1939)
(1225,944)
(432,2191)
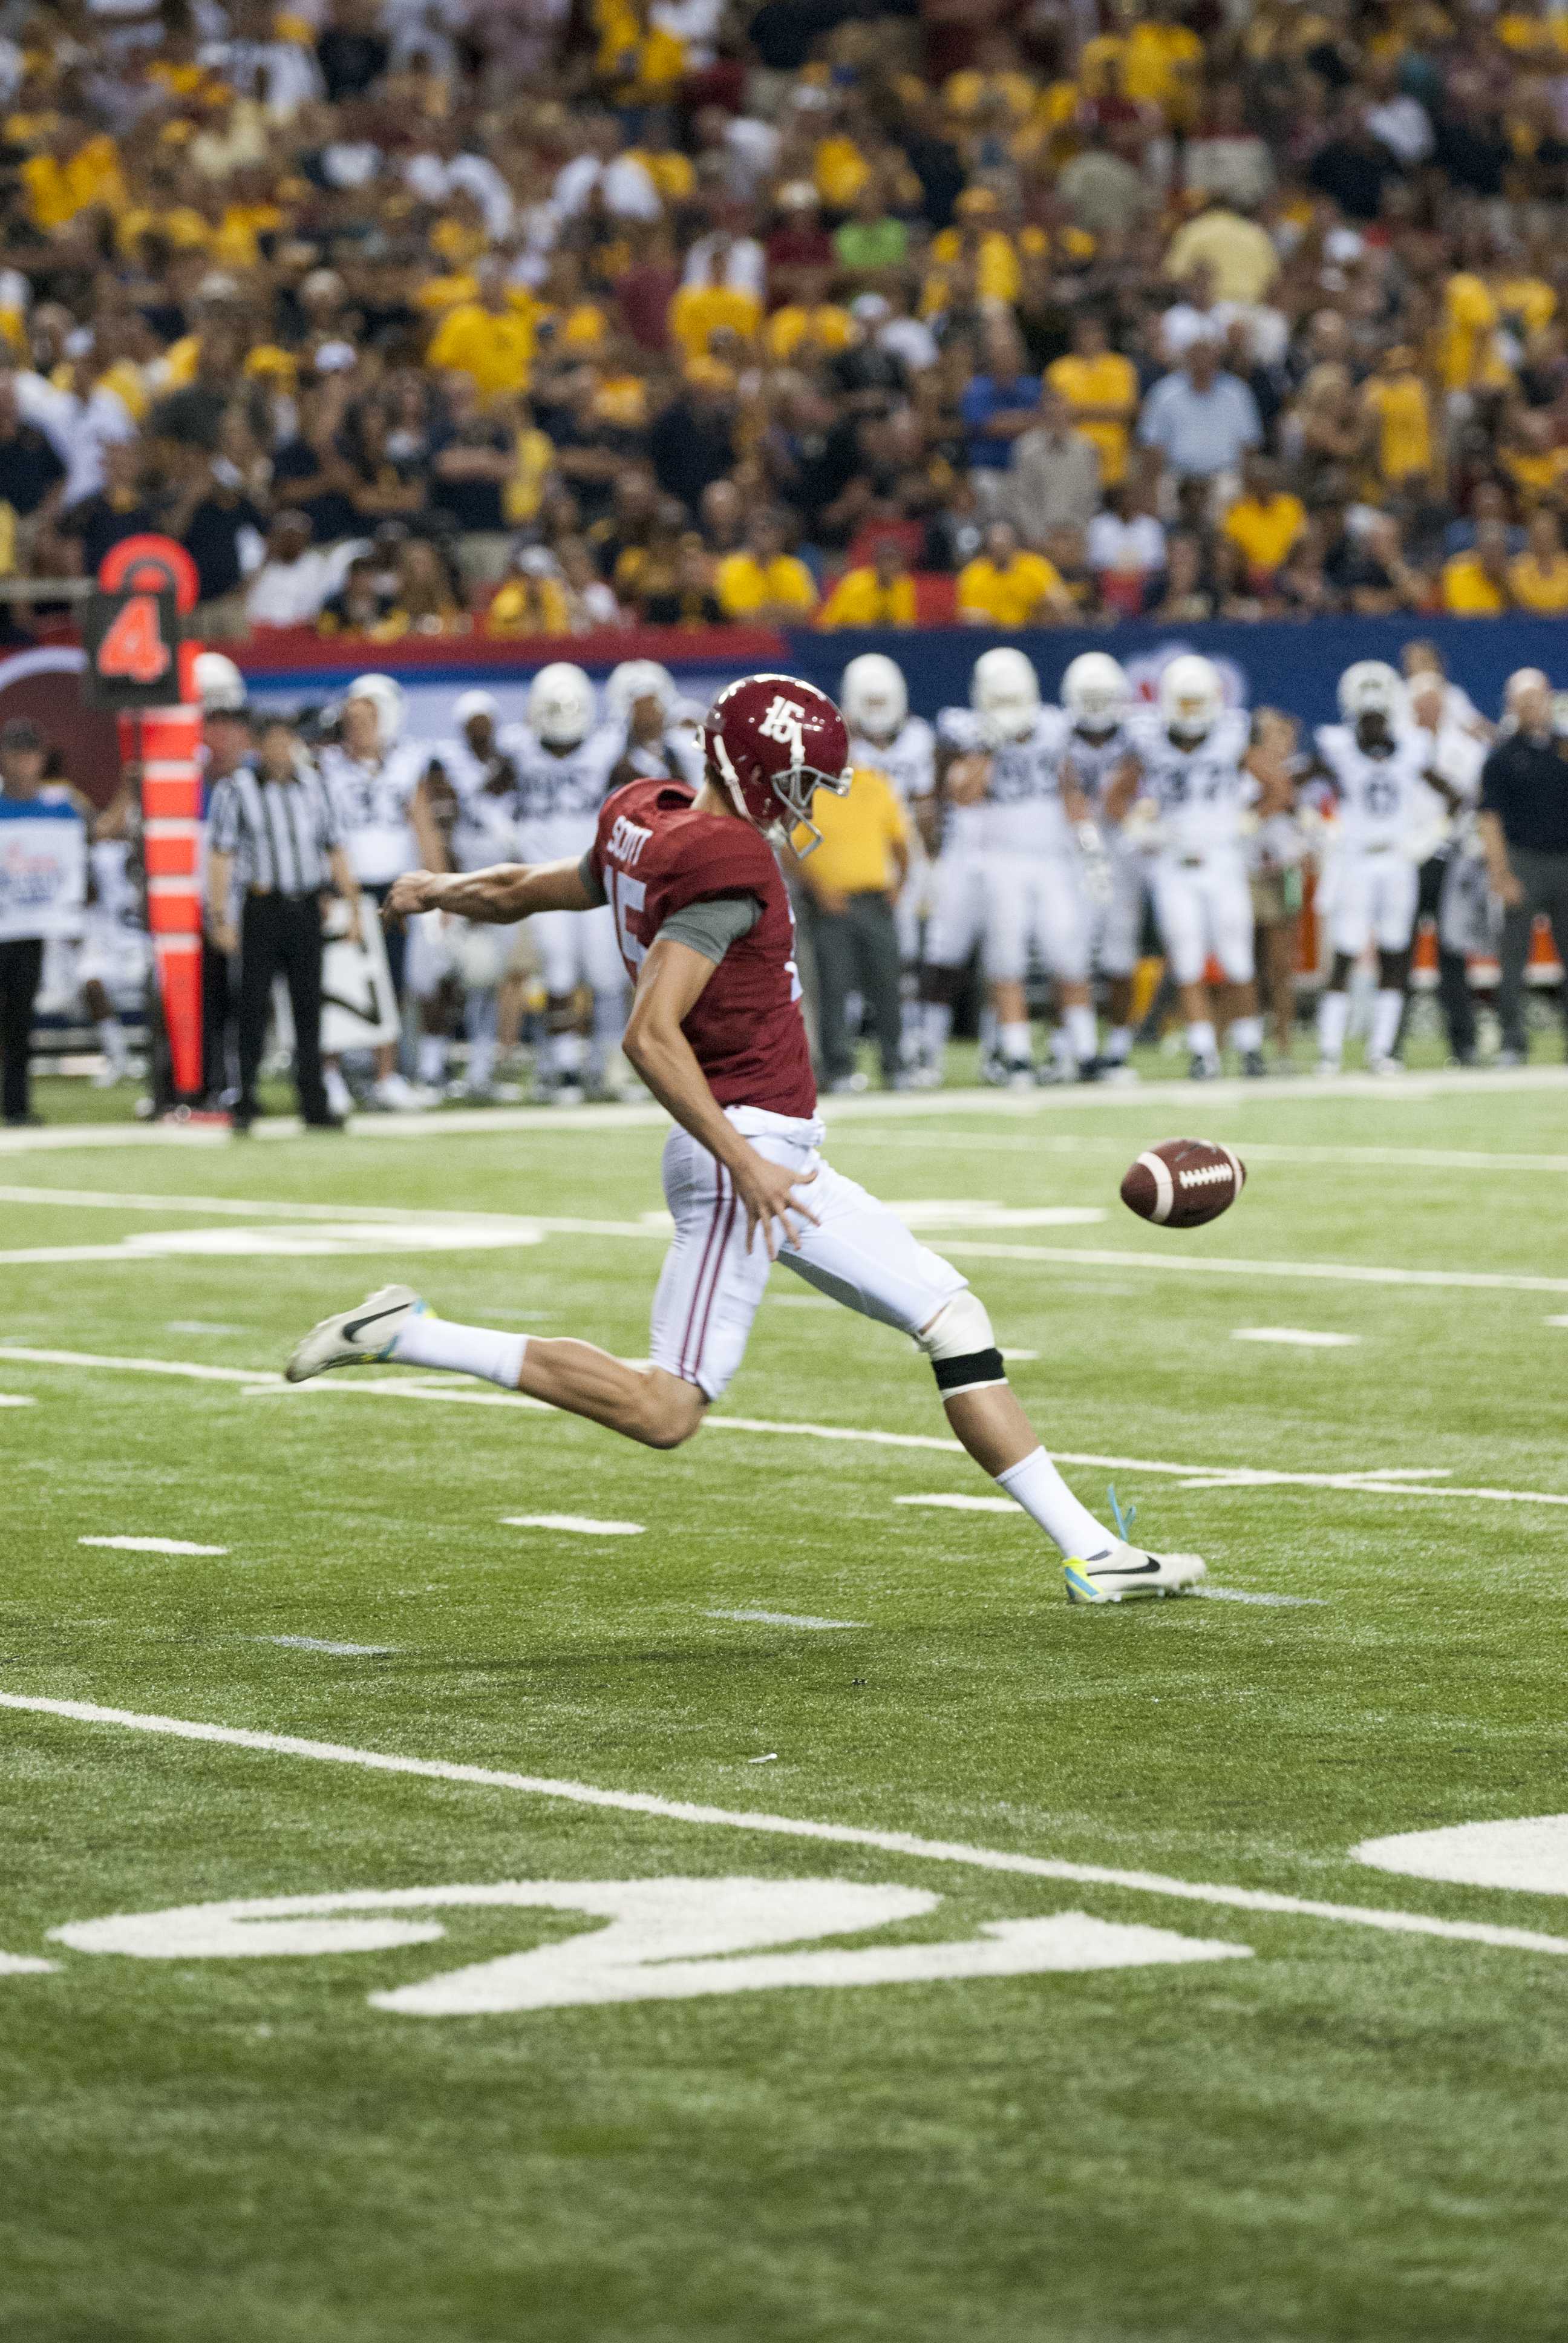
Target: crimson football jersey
(654,856)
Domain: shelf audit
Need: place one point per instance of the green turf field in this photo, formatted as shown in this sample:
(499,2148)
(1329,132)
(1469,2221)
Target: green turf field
(1258,2115)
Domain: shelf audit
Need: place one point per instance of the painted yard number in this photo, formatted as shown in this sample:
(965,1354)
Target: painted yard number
(664,1940)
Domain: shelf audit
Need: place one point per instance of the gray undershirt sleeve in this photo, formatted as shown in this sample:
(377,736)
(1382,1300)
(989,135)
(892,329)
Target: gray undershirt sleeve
(710,928)
(591,879)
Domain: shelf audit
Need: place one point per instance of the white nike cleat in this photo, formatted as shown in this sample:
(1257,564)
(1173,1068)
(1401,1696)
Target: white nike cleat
(399,1095)
(357,1337)
(1125,1573)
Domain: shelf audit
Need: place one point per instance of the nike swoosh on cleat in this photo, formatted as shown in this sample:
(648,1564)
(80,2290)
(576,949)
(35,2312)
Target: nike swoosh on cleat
(1126,1570)
(355,1327)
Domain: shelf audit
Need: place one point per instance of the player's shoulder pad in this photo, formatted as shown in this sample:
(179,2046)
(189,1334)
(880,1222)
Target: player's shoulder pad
(958,728)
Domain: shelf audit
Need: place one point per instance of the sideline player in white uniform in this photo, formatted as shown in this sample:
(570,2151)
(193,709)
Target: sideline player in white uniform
(373,774)
(902,748)
(640,695)
(1380,768)
(1025,881)
(1191,784)
(1097,697)
(465,817)
(564,763)
(717,1033)
(114,958)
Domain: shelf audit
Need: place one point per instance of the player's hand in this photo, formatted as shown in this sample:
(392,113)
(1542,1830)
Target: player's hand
(408,896)
(767,1192)
(969,778)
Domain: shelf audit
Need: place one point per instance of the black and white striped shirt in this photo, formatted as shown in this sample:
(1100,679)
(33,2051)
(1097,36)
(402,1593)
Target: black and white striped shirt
(280,833)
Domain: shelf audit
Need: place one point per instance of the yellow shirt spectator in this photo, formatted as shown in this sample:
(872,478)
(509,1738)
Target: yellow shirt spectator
(1010,595)
(699,310)
(670,171)
(1107,380)
(861,834)
(1468,356)
(745,585)
(495,352)
(522,492)
(529,605)
(1160,67)
(998,277)
(861,599)
(1239,254)
(1537,475)
(441,293)
(963,94)
(1402,411)
(1540,586)
(57,191)
(840,171)
(1468,592)
(1265,527)
(827,326)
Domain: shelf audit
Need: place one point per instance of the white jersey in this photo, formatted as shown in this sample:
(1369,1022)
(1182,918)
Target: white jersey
(963,827)
(1022,811)
(909,760)
(372,798)
(676,756)
(1201,792)
(117,904)
(560,794)
(1383,802)
(485,828)
(1095,757)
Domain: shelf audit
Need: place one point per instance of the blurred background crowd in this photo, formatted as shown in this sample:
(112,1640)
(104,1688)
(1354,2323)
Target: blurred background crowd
(524,317)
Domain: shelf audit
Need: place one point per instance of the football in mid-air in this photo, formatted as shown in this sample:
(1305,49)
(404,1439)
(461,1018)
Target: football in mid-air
(1183,1182)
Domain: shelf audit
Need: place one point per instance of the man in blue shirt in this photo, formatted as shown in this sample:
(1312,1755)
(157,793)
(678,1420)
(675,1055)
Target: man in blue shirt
(1201,420)
(998,407)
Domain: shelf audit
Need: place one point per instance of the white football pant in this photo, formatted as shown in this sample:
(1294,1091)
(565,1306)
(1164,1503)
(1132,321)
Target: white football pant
(578,948)
(858,1252)
(1204,906)
(1035,901)
(1117,927)
(1372,900)
(958,885)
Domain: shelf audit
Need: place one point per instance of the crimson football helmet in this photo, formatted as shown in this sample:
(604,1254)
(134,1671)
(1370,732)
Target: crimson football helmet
(770,742)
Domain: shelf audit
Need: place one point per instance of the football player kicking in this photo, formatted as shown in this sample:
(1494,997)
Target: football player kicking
(716,1031)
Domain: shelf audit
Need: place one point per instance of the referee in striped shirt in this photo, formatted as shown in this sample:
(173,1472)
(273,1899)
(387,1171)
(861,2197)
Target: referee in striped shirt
(273,833)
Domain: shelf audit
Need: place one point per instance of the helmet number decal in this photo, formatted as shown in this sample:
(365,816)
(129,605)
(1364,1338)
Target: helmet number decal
(783,723)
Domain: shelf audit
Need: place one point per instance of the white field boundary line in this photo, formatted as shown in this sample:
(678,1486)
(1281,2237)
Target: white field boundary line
(1374,1481)
(906,1843)
(553,1122)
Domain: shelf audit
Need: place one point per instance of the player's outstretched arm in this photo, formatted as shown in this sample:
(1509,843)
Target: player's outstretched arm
(505,892)
(668,990)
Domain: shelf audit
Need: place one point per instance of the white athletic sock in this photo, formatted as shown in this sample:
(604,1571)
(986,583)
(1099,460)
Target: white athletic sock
(567,1054)
(1062,1048)
(1387,1009)
(1040,1489)
(111,1034)
(433,1059)
(1201,1038)
(428,1342)
(938,1022)
(1017,1045)
(1119,1044)
(1081,1035)
(1247,1033)
(1334,1016)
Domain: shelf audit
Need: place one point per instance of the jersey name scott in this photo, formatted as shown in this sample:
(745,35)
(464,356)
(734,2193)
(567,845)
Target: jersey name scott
(626,840)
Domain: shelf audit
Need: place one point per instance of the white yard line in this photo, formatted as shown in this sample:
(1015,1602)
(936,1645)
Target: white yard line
(17,1399)
(782,1619)
(1301,1337)
(1242,1595)
(153,1546)
(261,1381)
(917,1105)
(338,1650)
(580,1524)
(905,1843)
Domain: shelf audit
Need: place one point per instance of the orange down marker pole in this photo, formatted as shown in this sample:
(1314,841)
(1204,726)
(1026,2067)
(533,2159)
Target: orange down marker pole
(165,742)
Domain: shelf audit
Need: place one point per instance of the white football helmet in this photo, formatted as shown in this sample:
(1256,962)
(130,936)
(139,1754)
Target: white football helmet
(560,705)
(387,699)
(636,679)
(874,697)
(1004,690)
(469,704)
(220,687)
(1192,696)
(1371,687)
(1094,691)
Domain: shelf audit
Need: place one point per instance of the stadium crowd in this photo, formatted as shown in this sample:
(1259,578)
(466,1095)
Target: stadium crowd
(539,316)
